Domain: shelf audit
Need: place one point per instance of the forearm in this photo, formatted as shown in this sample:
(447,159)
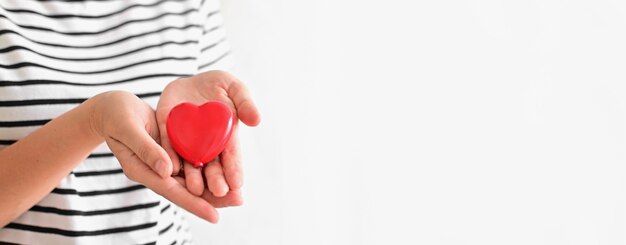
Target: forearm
(34,165)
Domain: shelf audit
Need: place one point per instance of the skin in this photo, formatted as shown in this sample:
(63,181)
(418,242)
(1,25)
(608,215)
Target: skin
(131,129)
(223,176)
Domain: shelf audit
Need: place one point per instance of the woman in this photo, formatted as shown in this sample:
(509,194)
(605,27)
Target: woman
(85,88)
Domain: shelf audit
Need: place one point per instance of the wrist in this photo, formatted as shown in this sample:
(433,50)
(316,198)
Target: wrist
(92,116)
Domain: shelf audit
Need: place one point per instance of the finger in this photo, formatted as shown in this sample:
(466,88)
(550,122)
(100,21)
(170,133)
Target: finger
(193,178)
(176,161)
(231,163)
(245,108)
(165,142)
(180,180)
(147,149)
(215,180)
(173,190)
(169,187)
(127,158)
(232,198)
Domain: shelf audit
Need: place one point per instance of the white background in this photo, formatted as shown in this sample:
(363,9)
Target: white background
(430,122)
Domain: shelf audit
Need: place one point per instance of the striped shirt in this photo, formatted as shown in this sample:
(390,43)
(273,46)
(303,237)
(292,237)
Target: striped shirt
(54,54)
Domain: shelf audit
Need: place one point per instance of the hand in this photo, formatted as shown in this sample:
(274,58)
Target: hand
(129,128)
(224,174)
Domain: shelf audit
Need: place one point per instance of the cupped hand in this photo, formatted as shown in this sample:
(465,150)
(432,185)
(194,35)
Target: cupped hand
(130,129)
(223,175)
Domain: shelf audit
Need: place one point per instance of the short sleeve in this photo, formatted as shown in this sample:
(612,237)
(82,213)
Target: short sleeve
(214,48)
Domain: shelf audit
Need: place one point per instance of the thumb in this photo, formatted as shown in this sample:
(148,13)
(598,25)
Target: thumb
(148,150)
(246,110)
(162,114)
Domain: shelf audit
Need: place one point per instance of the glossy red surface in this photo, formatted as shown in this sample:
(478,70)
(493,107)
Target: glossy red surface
(199,133)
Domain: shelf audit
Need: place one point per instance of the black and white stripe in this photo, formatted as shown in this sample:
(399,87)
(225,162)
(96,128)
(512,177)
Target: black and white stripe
(55,54)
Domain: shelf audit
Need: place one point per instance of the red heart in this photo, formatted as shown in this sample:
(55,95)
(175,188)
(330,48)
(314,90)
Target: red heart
(199,133)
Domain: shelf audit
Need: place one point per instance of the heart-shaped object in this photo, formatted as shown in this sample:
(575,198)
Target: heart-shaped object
(199,133)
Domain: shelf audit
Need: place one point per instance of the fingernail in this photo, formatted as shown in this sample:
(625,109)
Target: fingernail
(213,219)
(237,201)
(161,168)
(223,191)
(239,181)
(219,192)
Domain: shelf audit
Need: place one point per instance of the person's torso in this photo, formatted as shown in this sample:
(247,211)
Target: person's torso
(56,54)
